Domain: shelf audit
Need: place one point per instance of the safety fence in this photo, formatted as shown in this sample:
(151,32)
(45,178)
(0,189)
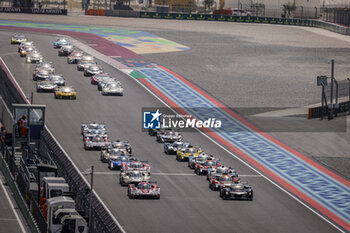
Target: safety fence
(19,178)
(318,112)
(227,18)
(339,16)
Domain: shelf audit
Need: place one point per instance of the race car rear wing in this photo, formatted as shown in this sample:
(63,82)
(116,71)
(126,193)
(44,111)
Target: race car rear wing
(88,122)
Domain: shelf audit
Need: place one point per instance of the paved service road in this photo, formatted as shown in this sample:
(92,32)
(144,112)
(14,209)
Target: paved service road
(9,220)
(186,204)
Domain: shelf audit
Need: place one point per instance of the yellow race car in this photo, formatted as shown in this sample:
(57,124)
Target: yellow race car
(184,153)
(65,92)
(17,39)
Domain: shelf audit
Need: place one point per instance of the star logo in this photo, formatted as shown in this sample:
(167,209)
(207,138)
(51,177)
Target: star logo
(156,115)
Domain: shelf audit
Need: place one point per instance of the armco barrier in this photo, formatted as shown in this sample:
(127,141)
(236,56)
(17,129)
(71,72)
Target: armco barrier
(123,13)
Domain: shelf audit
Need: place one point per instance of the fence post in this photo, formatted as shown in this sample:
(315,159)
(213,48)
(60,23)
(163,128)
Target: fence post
(316,13)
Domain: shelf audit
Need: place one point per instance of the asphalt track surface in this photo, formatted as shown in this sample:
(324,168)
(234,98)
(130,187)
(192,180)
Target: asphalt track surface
(253,66)
(186,204)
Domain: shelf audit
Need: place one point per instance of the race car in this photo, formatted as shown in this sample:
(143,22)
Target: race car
(17,39)
(96,143)
(106,155)
(133,177)
(118,162)
(74,57)
(98,78)
(154,132)
(104,82)
(57,78)
(65,92)
(208,165)
(171,148)
(87,58)
(85,126)
(137,166)
(224,180)
(218,171)
(46,86)
(90,133)
(82,65)
(184,153)
(169,136)
(144,190)
(122,144)
(59,42)
(65,50)
(34,56)
(25,44)
(113,88)
(26,50)
(241,191)
(41,74)
(201,158)
(92,70)
(46,65)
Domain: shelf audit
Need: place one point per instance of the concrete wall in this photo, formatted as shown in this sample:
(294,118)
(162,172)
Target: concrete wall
(5,116)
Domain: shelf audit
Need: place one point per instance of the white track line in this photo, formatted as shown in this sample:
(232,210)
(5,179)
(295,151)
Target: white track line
(165,174)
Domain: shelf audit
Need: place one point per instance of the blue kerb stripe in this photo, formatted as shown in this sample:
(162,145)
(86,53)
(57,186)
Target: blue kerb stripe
(326,190)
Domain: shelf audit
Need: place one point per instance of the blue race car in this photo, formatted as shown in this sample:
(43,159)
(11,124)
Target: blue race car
(59,42)
(119,161)
(171,148)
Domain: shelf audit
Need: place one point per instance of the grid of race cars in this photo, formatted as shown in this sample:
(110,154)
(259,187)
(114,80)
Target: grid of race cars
(134,173)
(48,81)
